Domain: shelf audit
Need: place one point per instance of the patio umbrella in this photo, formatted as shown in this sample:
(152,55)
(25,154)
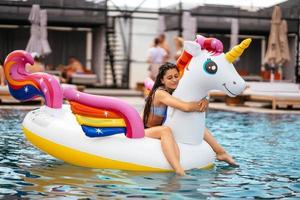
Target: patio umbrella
(273,54)
(44,41)
(34,44)
(273,57)
(278,51)
(284,44)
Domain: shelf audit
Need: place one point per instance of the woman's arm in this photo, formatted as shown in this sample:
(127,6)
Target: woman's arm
(167,99)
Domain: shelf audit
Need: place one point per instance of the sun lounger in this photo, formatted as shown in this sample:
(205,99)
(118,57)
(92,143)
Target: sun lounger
(287,94)
(6,98)
(84,79)
(4,94)
(220,96)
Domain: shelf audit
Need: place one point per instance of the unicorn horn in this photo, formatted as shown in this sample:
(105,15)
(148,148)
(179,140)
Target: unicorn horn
(237,50)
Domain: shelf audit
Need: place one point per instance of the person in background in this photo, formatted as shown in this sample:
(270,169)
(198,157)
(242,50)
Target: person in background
(163,44)
(156,57)
(74,67)
(38,66)
(178,41)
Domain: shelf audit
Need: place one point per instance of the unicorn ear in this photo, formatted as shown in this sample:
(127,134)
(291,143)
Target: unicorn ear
(200,36)
(192,48)
(200,40)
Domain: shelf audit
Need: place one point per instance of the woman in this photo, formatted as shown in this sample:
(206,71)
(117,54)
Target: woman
(37,66)
(178,41)
(156,57)
(155,112)
(74,67)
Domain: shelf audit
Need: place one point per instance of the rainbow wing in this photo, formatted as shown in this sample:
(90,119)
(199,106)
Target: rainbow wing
(103,116)
(97,122)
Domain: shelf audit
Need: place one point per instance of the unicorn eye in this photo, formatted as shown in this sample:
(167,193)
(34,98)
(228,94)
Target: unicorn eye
(210,66)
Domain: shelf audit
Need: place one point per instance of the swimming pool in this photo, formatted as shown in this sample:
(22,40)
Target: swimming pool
(266,147)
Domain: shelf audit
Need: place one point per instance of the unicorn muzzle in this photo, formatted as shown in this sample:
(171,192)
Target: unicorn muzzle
(234,88)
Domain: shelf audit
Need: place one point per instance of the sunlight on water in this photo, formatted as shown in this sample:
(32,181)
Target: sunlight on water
(266,147)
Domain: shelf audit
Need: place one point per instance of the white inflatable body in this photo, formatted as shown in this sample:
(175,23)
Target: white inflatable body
(57,132)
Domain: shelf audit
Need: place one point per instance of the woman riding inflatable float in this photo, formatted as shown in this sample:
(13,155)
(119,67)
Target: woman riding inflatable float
(87,131)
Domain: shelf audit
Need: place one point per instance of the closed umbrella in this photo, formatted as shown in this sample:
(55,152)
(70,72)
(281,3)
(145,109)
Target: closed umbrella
(273,57)
(44,40)
(284,44)
(273,54)
(34,44)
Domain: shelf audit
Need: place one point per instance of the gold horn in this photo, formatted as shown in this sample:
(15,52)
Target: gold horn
(237,50)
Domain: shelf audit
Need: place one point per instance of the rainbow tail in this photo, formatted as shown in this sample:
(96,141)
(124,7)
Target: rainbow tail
(103,116)
(97,115)
(25,86)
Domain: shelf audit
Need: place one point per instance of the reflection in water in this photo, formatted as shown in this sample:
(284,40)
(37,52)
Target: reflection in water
(63,179)
(266,147)
(67,180)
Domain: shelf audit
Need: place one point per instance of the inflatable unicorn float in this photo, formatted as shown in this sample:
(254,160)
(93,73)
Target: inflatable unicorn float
(104,132)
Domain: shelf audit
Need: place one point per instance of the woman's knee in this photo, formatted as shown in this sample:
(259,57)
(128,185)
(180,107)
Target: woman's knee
(166,131)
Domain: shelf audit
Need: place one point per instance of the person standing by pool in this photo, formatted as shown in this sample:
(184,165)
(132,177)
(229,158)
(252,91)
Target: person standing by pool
(178,41)
(37,66)
(163,44)
(156,57)
(155,111)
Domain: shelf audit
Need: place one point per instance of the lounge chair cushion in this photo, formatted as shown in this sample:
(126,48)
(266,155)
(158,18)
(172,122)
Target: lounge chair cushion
(85,79)
(273,87)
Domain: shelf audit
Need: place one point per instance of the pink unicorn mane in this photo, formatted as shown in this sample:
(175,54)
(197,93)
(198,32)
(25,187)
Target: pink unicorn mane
(212,45)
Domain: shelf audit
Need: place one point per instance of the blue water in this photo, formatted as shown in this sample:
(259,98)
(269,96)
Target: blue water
(266,147)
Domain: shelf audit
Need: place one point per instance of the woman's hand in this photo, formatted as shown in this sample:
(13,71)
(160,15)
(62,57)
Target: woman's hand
(199,106)
(203,104)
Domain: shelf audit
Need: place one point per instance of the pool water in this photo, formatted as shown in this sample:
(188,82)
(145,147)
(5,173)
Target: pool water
(266,147)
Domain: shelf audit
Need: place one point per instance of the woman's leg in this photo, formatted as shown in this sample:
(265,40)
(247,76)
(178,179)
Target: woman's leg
(177,151)
(222,155)
(164,133)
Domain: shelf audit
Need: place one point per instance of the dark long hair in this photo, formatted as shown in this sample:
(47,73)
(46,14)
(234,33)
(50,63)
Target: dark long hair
(161,72)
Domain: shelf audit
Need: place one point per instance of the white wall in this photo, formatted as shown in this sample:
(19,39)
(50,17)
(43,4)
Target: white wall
(143,34)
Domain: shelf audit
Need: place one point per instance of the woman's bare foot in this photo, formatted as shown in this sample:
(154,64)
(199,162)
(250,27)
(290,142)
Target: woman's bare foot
(224,156)
(180,172)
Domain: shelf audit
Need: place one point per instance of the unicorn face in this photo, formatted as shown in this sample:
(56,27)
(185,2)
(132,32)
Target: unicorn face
(211,70)
(216,73)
